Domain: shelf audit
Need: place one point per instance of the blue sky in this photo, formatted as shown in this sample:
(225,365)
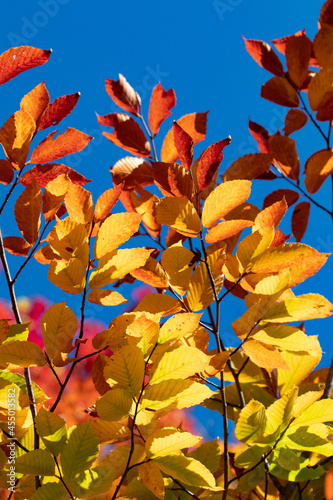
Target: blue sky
(195,47)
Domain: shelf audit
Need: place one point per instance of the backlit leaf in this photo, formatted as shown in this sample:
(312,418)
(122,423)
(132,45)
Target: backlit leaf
(58,109)
(36,462)
(251,422)
(109,237)
(194,124)
(123,94)
(249,167)
(150,475)
(46,173)
(180,214)
(114,405)
(69,239)
(16,245)
(27,212)
(284,150)
(178,326)
(161,102)
(173,179)
(300,308)
(79,204)
(263,54)
(52,430)
(323,45)
(187,470)
(68,142)
(264,356)
(106,297)
(68,276)
(106,202)
(144,203)
(279,413)
(54,195)
(318,412)
(290,196)
(175,261)
(6,172)
(15,136)
(18,59)
(151,273)
(317,168)
(35,102)
(300,218)
(169,440)
(125,369)
(209,162)
(286,337)
(270,216)
(280,91)
(132,171)
(300,365)
(294,120)
(94,481)
(21,353)
(320,88)
(261,135)
(127,133)
(110,432)
(223,199)
(184,145)
(298,53)
(49,491)
(159,304)
(253,246)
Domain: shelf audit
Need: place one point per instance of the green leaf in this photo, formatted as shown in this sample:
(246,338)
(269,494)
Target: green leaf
(287,459)
(94,481)
(20,381)
(168,440)
(37,462)
(125,369)
(80,451)
(50,491)
(251,422)
(279,413)
(309,438)
(303,474)
(52,429)
(114,405)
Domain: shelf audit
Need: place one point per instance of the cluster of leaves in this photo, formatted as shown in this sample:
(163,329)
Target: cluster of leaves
(169,352)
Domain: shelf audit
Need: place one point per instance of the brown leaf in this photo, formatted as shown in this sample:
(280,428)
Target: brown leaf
(329,473)
(27,212)
(127,133)
(284,150)
(249,166)
(35,102)
(161,102)
(16,245)
(300,219)
(326,13)
(323,45)
(184,145)
(209,162)
(16,135)
(68,142)
(263,54)
(261,135)
(43,174)
(281,43)
(194,124)
(106,202)
(298,54)
(97,375)
(6,172)
(152,274)
(45,254)
(132,171)
(317,168)
(290,196)
(279,90)
(18,59)
(294,120)
(320,93)
(58,110)
(123,94)
(173,179)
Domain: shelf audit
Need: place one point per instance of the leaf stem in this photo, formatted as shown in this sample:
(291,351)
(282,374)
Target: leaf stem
(62,479)
(150,135)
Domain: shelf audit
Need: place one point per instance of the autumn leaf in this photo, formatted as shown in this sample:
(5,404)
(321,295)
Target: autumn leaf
(317,168)
(18,59)
(285,154)
(106,297)
(209,162)
(15,137)
(290,196)
(184,145)
(16,245)
(161,102)
(123,94)
(127,133)
(298,53)
(68,142)
(173,179)
(144,203)
(58,110)
(194,124)
(132,171)
(79,204)
(226,229)
(43,174)
(109,237)
(180,214)
(300,218)
(326,14)
(6,172)
(249,167)
(106,202)
(280,91)
(36,102)
(68,276)
(261,135)
(263,54)
(295,119)
(54,195)
(322,45)
(27,212)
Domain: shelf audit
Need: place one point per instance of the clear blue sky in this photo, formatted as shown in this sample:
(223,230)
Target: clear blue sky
(195,47)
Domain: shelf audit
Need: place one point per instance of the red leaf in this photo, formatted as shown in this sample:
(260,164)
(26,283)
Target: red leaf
(281,43)
(70,141)
(16,245)
(279,238)
(261,135)
(300,219)
(36,101)
(46,173)
(58,109)
(6,172)
(209,162)
(184,145)
(18,59)
(127,133)
(132,171)
(123,94)
(263,54)
(161,102)
(280,91)
(290,196)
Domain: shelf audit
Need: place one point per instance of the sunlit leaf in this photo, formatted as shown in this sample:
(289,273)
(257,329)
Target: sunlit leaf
(298,53)
(16,135)
(109,237)
(52,430)
(249,167)
(151,273)
(173,179)
(54,195)
(251,422)
(132,171)
(144,203)
(68,142)
(263,54)
(16,245)
(317,168)
(36,102)
(110,432)
(114,405)
(106,202)
(261,135)
(290,196)
(43,174)
(300,365)
(68,276)
(161,102)
(21,353)
(178,326)
(295,119)
(175,261)
(18,59)
(125,369)
(180,214)
(79,204)
(264,355)
(285,154)
(58,109)
(169,440)
(106,297)
(123,94)
(280,91)
(151,476)
(36,462)
(286,337)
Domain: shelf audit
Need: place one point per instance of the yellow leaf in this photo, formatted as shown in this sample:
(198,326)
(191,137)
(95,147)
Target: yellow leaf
(287,338)
(300,365)
(178,326)
(180,214)
(226,229)
(223,199)
(270,216)
(114,231)
(318,412)
(21,353)
(16,135)
(169,440)
(175,261)
(125,369)
(253,246)
(280,412)
(148,329)
(117,263)
(79,204)
(157,303)
(114,405)
(69,239)
(300,308)
(27,212)
(52,429)
(106,297)
(109,432)
(251,422)
(304,401)
(144,203)
(68,276)
(150,475)
(151,273)
(264,356)
(54,195)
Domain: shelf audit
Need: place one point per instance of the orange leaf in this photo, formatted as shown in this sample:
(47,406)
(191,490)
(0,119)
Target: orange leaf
(226,229)
(145,205)
(58,109)
(261,135)
(329,474)
(184,145)
(180,214)
(106,297)
(106,202)
(159,304)
(279,90)
(68,276)
(249,166)
(285,154)
(68,142)
(298,54)
(209,162)
(16,245)
(114,231)
(127,133)
(123,94)
(43,174)
(35,102)
(263,54)
(290,196)
(300,218)
(79,204)
(279,238)
(320,91)
(16,135)
(18,59)
(151,273)
(317,168)
(294,120)
(6,172)
(173,179)
(27,212)
(223,199)
(161,102)
(326,13)
(281,43)
(194,124)
(54,195)
(271,216)
(323,45)
(264,356)
(132,171)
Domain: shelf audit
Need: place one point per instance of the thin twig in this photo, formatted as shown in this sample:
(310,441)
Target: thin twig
(62,479)
(183,489)
(16,441)
(150,135)
(329,383)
